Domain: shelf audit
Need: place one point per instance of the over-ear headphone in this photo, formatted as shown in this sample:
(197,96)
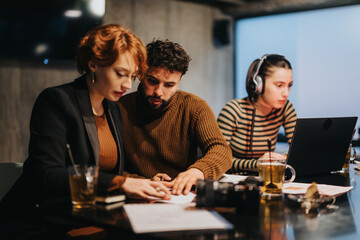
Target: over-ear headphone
(256,83)
(257,80)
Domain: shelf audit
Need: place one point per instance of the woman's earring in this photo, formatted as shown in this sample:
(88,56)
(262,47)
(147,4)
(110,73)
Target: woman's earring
(93,78)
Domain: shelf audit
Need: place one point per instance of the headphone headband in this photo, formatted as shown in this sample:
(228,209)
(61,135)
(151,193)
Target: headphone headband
(261,61)
(256,79)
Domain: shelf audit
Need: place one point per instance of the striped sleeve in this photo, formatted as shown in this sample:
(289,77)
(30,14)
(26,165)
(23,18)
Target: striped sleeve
(227,121)
(290,121)
(242,165)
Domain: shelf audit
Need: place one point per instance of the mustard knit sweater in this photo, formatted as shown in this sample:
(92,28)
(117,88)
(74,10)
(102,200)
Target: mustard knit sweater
(167,140)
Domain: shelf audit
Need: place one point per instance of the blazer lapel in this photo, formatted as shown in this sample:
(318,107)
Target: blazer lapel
(82,94)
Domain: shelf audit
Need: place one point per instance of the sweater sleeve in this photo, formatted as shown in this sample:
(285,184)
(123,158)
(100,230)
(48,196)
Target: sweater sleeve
(116,184)
(216,158)
(290,121)
(243,165)
(133,175)
(227,122)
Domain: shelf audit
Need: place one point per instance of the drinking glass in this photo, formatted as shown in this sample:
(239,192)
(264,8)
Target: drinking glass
(83,185)
(272,171)
(350,157)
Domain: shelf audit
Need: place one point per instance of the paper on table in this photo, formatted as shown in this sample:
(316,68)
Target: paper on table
(324,189)
(146,218)
(232,178)
(177,199)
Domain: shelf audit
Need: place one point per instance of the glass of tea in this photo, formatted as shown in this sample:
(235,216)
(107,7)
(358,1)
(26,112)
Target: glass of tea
(272,171)
(83,185)
(350,157)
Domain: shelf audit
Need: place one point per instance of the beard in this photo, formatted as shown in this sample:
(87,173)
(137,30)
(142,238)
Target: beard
(156,107)
(160,107)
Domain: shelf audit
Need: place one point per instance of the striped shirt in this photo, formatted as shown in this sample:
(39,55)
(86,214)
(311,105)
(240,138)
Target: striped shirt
(235,122)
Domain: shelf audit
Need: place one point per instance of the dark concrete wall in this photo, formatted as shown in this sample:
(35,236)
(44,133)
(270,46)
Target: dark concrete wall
(210,74)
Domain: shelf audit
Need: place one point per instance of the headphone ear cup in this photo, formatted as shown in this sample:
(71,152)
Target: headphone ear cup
(251,86)
(258,81)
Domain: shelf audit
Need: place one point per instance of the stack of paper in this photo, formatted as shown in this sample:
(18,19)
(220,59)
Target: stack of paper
(147,218)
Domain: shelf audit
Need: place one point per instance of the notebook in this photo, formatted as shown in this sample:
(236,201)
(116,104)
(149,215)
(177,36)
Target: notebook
(319,145)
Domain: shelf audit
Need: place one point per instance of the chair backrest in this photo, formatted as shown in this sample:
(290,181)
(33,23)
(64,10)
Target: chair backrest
(9,173)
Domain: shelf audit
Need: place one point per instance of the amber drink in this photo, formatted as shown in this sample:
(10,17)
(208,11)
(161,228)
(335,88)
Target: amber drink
(272,172)
(350,156)
(83,185)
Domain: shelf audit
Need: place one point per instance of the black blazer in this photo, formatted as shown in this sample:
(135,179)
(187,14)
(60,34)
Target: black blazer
(62,115)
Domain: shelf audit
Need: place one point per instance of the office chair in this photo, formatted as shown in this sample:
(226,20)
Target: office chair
(9,173)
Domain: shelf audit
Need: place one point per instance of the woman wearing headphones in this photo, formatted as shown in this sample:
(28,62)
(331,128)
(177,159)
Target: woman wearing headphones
(248,123)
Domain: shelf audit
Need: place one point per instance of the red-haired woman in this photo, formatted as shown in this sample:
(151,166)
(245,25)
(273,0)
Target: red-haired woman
(83,114)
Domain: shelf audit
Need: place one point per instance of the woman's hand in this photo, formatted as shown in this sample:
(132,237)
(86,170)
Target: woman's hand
(161,177)
(144,188)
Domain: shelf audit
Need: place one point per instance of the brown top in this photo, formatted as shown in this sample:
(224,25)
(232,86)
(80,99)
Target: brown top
(167,140)
(108,150)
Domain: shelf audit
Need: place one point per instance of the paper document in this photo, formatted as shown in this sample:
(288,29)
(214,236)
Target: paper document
(324,189)
(147,218)
(177,199)
(233,178)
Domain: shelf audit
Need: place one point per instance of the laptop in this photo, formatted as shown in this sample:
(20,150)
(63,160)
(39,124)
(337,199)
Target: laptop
(319,145)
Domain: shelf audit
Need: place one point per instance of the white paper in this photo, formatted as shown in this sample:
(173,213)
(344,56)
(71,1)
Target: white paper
(146,218)
(324,189)
(233,178)
(177,199)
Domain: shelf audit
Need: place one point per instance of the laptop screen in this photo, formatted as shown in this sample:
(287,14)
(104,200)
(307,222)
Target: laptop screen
(319,145)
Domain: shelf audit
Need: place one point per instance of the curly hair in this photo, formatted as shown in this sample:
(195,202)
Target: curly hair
(168,55)
(104,43)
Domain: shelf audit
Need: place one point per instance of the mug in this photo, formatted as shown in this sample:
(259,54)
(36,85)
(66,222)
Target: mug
(272,171)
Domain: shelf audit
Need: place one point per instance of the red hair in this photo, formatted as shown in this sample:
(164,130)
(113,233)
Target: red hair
(104,43)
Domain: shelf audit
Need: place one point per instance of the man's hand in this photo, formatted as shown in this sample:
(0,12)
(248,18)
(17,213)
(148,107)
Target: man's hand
(184,181)
(161,177)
